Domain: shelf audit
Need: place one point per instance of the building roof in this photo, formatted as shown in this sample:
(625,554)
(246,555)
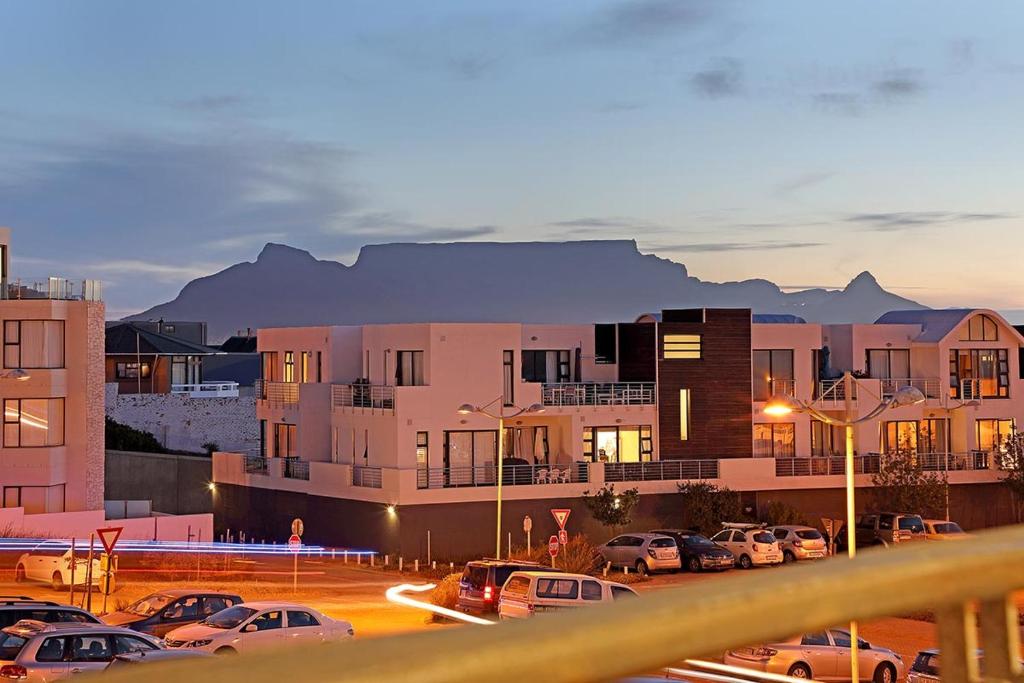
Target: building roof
(778,319)
(239,344)
(126,338)
(935,324)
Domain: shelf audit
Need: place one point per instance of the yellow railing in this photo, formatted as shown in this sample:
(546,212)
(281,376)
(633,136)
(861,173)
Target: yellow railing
(667,626)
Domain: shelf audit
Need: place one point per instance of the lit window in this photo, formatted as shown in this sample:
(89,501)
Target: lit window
(682,345)
(684,414)
(33,422)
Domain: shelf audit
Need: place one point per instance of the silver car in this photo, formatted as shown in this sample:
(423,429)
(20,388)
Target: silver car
(643,552)
(38,652)
(800,543)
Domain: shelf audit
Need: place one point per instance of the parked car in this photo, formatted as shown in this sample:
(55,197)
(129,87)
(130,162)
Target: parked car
(50,562)
(943,530)
(883,529)
(644,552)
(15,608)
(697,552)
(926,666)
(132,659)
(481,582)
(162,612)
(751,544)
(823,656)
(800,542)
(526,594)
(253,626)
(37,652)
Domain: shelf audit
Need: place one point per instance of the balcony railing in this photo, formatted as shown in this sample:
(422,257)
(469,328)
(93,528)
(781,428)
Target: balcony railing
(511,475)
(374,396)
(834,391)
(599,394)
(931,387)
(826,465)
(367,477)
(277,393)
(53,288)
(207,390)
(256,464)
(661,470)
(294,468)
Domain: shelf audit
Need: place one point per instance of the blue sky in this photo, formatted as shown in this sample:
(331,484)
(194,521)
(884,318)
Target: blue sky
(149,143)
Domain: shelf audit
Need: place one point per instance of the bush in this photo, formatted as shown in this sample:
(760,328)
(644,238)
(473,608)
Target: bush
(610,508)
(211,447)
(446,593)
(784,514)
(578,556)
(121,437)
(705,506)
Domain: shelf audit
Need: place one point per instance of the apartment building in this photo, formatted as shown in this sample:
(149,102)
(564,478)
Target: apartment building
(361,433)
(51,385)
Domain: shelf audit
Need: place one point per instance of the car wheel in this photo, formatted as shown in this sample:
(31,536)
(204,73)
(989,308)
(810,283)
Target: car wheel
(226,651)
(641,568)
(745,562)
(693,565)
(885,673)
(57,582)
(788,557)
(800,670)
(19,574)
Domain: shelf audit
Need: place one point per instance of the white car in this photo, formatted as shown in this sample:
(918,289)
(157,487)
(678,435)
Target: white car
(526,594)
(254,626)
(50,562)
(751,544)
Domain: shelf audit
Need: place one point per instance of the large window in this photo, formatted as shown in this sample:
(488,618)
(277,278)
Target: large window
(924,436)
(508,385)
(684,414)
(132,370)
(678,346)
(547,366)
(33,422)
(186,370)
(286,443)
(772,373)
(992,434)
(889,363)
(618,444)
(470,457)
(305,367)
(526,443)
(980,328)
(409,371)
(826,440)
(979,373)
(34,344)
(774,440)
(605,343)
(270,371)
(289,366)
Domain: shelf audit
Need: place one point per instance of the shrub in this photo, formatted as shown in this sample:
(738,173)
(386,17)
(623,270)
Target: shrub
(446,593)
(783,514)
(610,508)
(121,437)
(578,556)
(211,447)
(705,506)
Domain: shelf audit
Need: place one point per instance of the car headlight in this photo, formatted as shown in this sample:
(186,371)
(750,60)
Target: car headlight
(200,643)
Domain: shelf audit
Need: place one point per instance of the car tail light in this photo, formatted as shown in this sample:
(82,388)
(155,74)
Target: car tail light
(798,544)
(765,652)
(895,536)
(14,672)
(488,593)
(530,607)
(650,551)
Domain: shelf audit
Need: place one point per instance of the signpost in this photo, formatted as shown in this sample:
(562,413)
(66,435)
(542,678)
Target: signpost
(527,528)
(563,536)
(561,516)
(553,549)
(295,545)
(108,537)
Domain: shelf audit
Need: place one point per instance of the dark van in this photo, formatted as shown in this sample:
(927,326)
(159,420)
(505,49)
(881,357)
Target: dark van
(482,580)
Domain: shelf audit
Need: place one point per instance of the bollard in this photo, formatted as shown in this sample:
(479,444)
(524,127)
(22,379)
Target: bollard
(451,566)
(387,560)
(345,554)
(399,564)
(433,565)
(625,570)
(372,555)
(332,553)
(416,566)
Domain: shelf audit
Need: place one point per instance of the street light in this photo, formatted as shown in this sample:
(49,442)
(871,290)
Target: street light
(16,374)
(501,416)
(782,404)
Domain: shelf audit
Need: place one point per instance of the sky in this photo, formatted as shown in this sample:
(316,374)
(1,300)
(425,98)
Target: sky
(145,144)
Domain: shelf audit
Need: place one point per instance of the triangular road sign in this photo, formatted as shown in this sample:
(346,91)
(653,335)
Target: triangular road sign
(109,536)
(561,516)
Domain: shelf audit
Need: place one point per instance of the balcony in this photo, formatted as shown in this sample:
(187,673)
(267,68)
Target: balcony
(51,288)
(511,475)
(660,470)
(871,463)
(256,464)
(366,477)
(368,396)
(206,390)
(598,394)
(931,387)
(277,393)
(294,468)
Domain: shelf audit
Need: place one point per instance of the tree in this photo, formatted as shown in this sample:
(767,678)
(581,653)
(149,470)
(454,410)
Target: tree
(121,437)
(902,485)
(705,506)
(211,447)
(784,514)
(610,508)
(1011,461)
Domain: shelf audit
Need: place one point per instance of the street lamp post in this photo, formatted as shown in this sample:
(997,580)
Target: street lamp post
(501,416)
(781,404)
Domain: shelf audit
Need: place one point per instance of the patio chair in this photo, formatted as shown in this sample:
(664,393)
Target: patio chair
(542,476)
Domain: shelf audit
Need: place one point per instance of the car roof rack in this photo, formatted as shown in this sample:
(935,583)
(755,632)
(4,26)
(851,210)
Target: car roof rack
(10,601)
(744,525)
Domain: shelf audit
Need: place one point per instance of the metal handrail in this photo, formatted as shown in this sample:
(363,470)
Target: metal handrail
(295,468)
(627,637)
(256,464)
(379,396)
(599,394)
(931,387)
(367,477)
(277,393)
(511,475)
(53,288)
(826,465)
(661,470)
(207,389)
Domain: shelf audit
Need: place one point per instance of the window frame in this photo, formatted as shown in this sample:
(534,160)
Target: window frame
(773,452)
(417,362)
(508,377)
(18,325)
(771,370)
(7,422)
(682,346)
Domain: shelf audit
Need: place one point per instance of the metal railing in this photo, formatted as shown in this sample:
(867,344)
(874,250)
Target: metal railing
(294,468)
(511,475)
(661,470)
(207,389)
(256,464)
(834,391)
(826,465)
(376,396)
(277,393)
(53,288)
(978,577)
(949,462)
(971,390)
(367,477)
(931,387)
(599,394)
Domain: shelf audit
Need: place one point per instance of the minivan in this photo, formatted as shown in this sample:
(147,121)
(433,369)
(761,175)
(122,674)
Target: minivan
(481,582)
(526,594)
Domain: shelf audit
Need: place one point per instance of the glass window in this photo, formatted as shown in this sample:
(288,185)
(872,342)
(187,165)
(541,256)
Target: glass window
(409,369)
(980,328)
(591,590)
(826,440)
(33,422)
(286,442)
(69,616)
(562,589)
(901,436)
(620,592)
(815,639)
(52,650)
(739,537)
(213,604)
(289,366)
(34,344)
(889,363)
(132,371)
(186,608)
(508,392)
(268,621)
(304,366)
(300,619)
(772,373)
(90,648)
(911,523)
(780,533)
(774,440)
(546,366)
(993,434)
(682,346)
(722,536)
(979,373)
(518,585)
(684,414)
(126,644)
(663,543)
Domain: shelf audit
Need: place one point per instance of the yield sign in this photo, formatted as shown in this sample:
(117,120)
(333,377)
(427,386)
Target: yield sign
(109,536)
(561,516)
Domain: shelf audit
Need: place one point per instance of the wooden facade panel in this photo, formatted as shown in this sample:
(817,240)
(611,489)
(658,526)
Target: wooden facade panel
(637,352)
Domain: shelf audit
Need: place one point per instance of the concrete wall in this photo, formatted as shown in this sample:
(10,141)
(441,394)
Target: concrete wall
(79,525)
(183,423)
(177,484)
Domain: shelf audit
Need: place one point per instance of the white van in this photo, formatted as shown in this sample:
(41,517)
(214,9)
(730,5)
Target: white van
(528,593)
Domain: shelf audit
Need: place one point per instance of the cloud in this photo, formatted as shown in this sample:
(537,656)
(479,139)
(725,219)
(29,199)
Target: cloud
(706,247)
(844,103)
(247,240)
(210,103)
(161,271)
(616,107)
(909,220)
(898,84)
(630,22)
(471,67)
(802,182)
(393,226)
(723,79)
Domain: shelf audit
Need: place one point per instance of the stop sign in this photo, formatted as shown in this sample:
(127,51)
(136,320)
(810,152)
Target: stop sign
(294,543)
(553,546)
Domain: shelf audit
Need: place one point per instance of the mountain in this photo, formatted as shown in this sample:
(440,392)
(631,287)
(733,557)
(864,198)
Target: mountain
(589,281)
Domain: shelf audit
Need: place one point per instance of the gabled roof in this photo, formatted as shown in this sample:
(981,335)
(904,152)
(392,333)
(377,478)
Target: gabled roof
(128,339)
(935,324)
(239,344)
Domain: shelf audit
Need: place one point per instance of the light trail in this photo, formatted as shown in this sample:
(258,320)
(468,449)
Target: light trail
(735,671)
(395,595)
(183,547)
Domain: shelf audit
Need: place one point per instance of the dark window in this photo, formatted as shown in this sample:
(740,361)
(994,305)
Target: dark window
(90,648)
(562,589)
(508,378)
(772,373)
(763,537)
(808,534)
(605,345)
(300,619)
(319,367)
(886,522)
(619,592)
(591,590)
(268,621)
(662,543)
(866,522)
(912,523)
(184,609)
(475,576)
(409,369)
(10,646)
(815,639)
(739,537)
(214,603)
(126,644)
(546,366)
(70,616)
(780,533)
(52,650)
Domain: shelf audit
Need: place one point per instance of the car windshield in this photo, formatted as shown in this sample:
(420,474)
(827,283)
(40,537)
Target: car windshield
(662,543)
(808,534)
(10,646)
(149,605)
(764,537)
(229,618)
(698,542)
(912,523)
(948,528)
